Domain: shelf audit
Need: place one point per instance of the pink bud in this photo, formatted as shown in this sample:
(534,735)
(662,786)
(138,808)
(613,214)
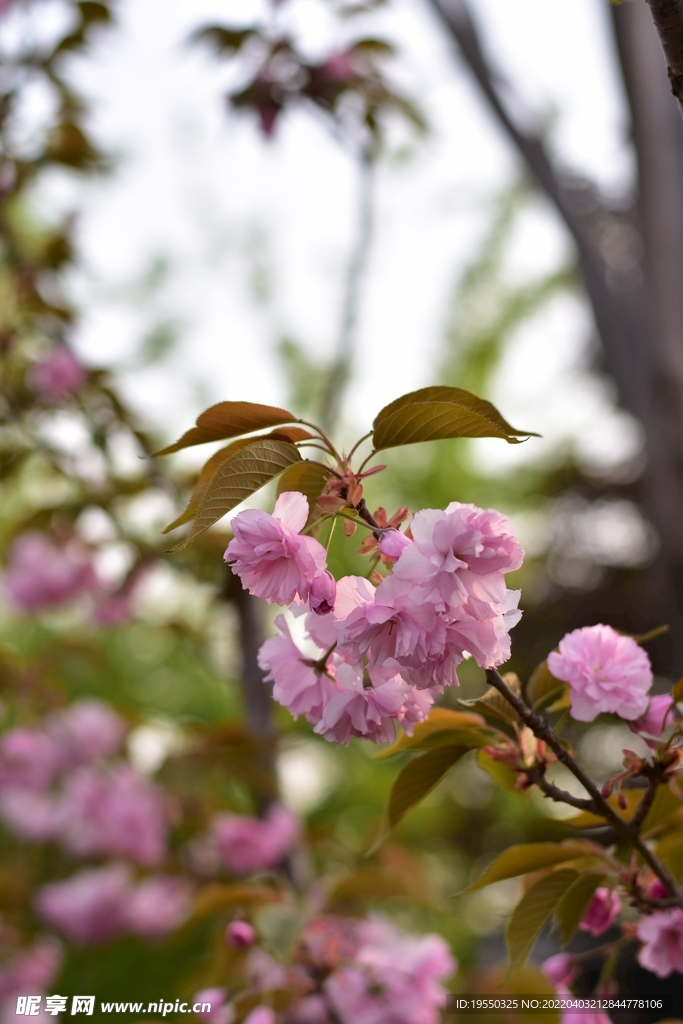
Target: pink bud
(323,593)
(559,969)
(240,935)
(659,714)
(657,890)
(602,912)
(392,543)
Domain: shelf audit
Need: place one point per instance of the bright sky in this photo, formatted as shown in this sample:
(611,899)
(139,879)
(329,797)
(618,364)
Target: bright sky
(197,189)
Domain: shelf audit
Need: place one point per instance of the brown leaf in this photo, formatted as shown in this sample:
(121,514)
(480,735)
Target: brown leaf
(229,419)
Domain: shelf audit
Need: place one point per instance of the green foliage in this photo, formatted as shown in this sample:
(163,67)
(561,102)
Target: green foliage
(421,775)
(533,911)
(520,860)
(575,902)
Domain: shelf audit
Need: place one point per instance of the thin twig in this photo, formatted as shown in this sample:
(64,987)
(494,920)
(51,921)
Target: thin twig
(542,729)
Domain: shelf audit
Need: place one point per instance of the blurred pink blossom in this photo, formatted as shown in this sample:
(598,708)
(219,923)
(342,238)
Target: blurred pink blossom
(255,844)
(270,556)
(221,1012)
(261,1015)
(309,1010)
(29,759)
(33,816)
(31,970)
(662,936)
(158,905)
(59,373)
(116,812)
(395,978)
(90,906)
(602,912)
(86,731)
(606,672)
(40,575)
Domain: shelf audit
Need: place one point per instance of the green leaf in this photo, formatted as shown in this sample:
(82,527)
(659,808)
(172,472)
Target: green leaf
(574,904)
(520,860)
(492,703)
(243,474)
(229,419)
(543,686)
(442,726)
(310,478)
(533,911)
(440,412)
(419,778)
(211,467)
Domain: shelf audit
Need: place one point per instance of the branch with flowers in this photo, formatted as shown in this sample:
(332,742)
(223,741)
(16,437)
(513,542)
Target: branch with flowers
(380,649)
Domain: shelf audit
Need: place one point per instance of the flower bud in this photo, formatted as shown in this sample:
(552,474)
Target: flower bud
(391,544)
(323,593)
(240,935)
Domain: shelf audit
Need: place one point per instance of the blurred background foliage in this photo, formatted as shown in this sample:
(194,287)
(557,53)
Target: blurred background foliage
(78,466)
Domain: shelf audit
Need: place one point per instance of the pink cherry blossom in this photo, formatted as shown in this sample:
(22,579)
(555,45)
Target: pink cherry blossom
(255,844)
(662,936)
(602,912)
(59,373)
(352,592)
(90,906)
(463,537)
(606,672)
(298,684)
(240,935)
(658,716)
(271,557)
(359,710)
(158,905)
(396,625)
(221,1011)
(40,575)
(118,812)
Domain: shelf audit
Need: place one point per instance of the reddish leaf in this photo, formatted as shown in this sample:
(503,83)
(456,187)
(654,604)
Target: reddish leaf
(229,419)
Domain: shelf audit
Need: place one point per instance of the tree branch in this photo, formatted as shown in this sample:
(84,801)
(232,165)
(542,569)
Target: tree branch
(542,729)
(668,18)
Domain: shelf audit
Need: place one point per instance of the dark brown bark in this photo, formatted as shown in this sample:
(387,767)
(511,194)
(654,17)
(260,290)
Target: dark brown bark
(668,18)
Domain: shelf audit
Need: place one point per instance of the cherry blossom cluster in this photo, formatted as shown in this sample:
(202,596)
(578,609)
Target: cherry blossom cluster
(376,654)
(345,969)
